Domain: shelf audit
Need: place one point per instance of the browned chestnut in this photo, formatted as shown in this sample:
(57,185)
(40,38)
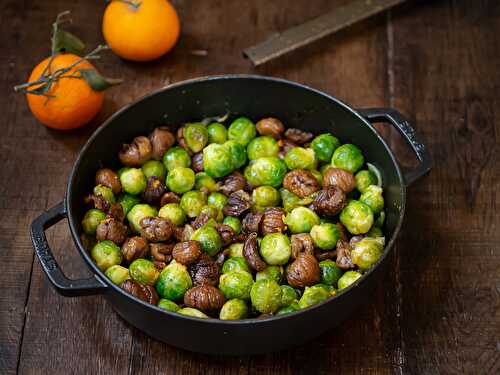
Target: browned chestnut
(161,139)
(111,229)
(97,201)
(116,211)
(107,177)
(301,243)
(205,298)
(270,126)
(233,182)
(338,177)
(156,229)
(169,197)
(147,293)
(161,254)
(186,252)
(298,136)
(251,253)
(136,153)
(204,271)
(344,259)
(303,271)
(301,182)
(155,189)
(134,248)
(226,233)
(197,162)
(272,221)
(330,201)
(251,222)
(237,203)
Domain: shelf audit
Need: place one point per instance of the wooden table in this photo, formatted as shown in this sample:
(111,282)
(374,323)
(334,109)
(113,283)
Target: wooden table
(437,309)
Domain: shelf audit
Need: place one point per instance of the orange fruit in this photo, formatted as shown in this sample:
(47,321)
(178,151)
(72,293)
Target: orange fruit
(73,104)
(143,32)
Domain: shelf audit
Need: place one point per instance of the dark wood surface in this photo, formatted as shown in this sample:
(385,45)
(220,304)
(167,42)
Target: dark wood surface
(438,308)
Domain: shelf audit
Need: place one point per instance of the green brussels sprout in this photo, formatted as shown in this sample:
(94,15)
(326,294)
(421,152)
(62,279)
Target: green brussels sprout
(173,212)
(379,221)
(325,236)
(290,200)
(128,201)
(313,295)
(180,180)
(348,157)
(237,152)
(217,133)
(204,182)
(365,178)
(189,311)
(294,306)
(217,200)
(154,168)
(233,309)
(318,176)
(375,232)
(91,220)
(301,220)
(275,249)
(266,296)
(261,147)
(235,264)
(133,181)
(234,223)
(236,250)
(209,239)
(265,196)
(242,130)
(301,158)
(236,284)
(347,279)
(106,193)
(270,273)
(196,136)
(367,251)
(139,212)
(192,202)
(117,274)
(324,145)
(176,157)
(173,282)
(106,254)
(373,198)
(213,212)
(168,305)
(288,295)
(144,271)
(330,273)
(217,160)
(357,217)
(266,171)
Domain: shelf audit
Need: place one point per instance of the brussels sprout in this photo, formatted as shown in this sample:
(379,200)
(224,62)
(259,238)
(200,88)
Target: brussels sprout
(270,273)
(180,180)
(379,221)
(236,284)
(290,200)
(265,196)
(139,212)
(173,212)
(192,202)
(196,136)
(144,271)
(233,309)
(301,220)
(217,160)
(168,305)
(266,171)
(348,157)
(266,296)
(204,182)
(217,200)
(364,179)
(288,295)
(234,223)
(373,198)
(105,192)
(106,254)
(300,158)
(189,311)
(133,181)
(173,282)
(347,279)
(128,201)
(154,168)
(375,232)
(91,220)
(217,133)
(262,146)
(357,217)
(289,309)
(367,251)
(213,212)
(209,239)
(330,273)
(237,263)
(236,250)
(242,130)
(318,176)
(237,152)
(117,274)
(275,249)
(325,236)
(313,295)
(324,145)
(176,157)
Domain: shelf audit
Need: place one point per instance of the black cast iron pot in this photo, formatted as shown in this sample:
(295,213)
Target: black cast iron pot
(256,97)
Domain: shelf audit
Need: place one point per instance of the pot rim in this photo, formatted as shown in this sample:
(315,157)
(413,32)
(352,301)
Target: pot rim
(340,294)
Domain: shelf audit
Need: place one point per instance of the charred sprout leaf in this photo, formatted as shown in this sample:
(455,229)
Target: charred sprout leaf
(96,81)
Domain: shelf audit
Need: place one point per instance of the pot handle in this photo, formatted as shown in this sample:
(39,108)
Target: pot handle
(63,285)
(396,119)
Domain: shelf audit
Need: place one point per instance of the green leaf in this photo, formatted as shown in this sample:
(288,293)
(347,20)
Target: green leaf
(96,81)
(64,41)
